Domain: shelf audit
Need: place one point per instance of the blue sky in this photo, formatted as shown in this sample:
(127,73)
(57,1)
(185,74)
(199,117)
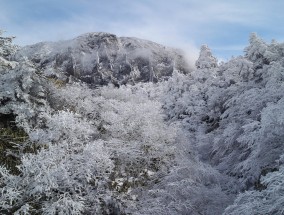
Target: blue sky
(225,25)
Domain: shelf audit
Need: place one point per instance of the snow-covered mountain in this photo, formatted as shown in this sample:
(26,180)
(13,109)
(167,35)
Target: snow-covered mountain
(208,142)
(100,58)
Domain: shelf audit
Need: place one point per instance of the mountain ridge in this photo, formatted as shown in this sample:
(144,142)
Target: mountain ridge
(98,58)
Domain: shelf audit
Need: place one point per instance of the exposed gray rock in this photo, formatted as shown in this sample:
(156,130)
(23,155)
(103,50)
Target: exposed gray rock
(100,58)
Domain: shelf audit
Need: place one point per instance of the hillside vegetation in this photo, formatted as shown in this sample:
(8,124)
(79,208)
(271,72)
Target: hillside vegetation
(207,142)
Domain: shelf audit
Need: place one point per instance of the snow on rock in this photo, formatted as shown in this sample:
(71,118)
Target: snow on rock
(100,58)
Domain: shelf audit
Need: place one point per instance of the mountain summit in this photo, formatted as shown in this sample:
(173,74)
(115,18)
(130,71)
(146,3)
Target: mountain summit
(101,58)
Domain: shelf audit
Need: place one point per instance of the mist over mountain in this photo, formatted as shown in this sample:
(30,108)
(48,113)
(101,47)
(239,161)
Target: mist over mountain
(153,136)
(102,58)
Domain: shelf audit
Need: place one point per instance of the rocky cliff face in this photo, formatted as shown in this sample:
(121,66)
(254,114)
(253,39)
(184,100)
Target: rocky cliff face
(100,58)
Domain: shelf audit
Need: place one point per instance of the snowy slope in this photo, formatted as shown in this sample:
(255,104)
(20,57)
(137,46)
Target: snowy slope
(208,142)
(100,58)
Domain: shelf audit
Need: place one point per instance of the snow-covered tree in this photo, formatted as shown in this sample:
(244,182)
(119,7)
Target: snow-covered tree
(206,59)
(237,128)
(7,49)
(61,177)
(50,171)
(267,201)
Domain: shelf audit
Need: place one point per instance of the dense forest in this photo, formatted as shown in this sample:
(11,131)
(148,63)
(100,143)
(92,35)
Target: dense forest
(208,141)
